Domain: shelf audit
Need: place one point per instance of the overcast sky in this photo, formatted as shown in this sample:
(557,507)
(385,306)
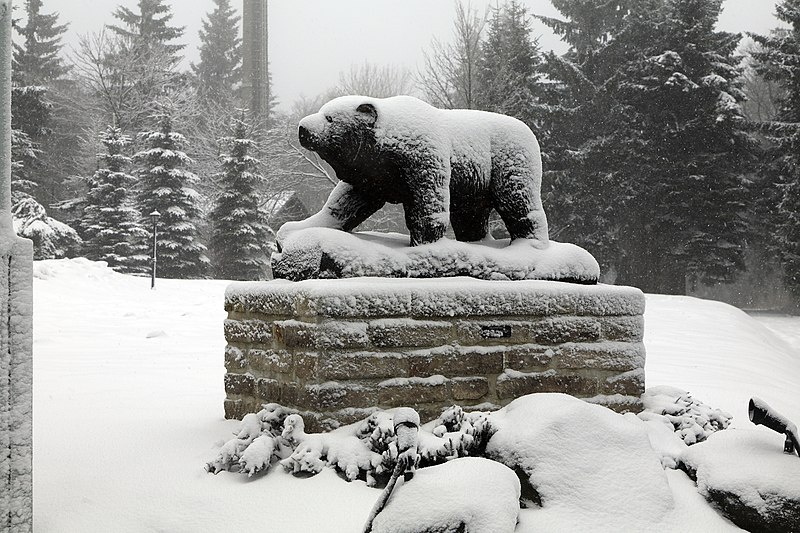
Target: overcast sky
(311,41)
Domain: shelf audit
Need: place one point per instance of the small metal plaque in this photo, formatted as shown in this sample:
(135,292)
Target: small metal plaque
(495,332)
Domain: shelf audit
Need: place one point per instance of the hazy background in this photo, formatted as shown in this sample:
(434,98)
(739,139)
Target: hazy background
(311,41)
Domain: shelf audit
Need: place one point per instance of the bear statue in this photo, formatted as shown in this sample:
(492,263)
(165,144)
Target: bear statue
(442,165)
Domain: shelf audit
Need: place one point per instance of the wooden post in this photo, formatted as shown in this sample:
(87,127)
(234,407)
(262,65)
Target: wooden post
(16,319)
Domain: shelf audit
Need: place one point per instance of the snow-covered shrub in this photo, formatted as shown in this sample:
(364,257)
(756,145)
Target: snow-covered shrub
(258,441)
(691,419)
(51,239)
(364,450)
(470,494)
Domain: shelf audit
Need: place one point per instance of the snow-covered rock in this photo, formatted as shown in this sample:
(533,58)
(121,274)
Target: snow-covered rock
(469,495)
(329,253)
(589,468)
(746,474)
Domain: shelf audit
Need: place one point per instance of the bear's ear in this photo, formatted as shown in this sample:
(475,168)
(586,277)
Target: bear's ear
(369,111)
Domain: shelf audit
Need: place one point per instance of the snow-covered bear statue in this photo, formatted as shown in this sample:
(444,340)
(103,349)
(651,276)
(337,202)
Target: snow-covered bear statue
(441,165)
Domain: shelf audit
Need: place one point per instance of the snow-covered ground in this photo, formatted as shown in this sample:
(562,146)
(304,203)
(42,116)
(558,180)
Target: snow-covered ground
(128,406)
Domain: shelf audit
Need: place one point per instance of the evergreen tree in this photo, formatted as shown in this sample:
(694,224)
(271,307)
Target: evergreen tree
(220,68)
(30,123)
(110,225)
(141,65)
(509,65)
(24,155)
(240,234)
(668,152)
(36,60)
(578,120)
(149,28)
(165,187)
(51,239)
(694,151)
(779,61)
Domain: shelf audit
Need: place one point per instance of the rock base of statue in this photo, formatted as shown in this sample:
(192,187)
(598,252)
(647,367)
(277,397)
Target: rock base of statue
(337,349)
(315,253)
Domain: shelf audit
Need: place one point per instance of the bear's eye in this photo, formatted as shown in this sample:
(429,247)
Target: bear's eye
(329,118)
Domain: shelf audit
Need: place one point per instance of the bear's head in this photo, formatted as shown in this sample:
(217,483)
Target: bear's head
(342,132)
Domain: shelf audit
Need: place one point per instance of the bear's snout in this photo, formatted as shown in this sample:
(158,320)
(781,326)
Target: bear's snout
(305,137)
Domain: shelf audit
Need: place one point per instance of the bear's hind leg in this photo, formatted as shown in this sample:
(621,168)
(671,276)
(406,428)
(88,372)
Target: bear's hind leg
(518,203)
(470,225)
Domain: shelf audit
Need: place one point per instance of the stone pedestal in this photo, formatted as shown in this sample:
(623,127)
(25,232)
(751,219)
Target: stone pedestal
(16,381)
(337,349)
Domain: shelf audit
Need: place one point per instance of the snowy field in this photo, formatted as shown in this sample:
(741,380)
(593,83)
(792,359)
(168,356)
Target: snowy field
(128,407)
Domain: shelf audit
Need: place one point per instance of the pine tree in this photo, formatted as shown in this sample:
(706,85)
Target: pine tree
(36,60)
(30,122)
(509,65)
(779,61)
(654,133)
(240,235)
(110,225)
(577,123)
(691,193)
(220,68)
(149,28)
(24,156)
(165,187)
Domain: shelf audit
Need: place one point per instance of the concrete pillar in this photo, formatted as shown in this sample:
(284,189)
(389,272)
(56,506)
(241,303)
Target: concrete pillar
(16,320)
(255,59)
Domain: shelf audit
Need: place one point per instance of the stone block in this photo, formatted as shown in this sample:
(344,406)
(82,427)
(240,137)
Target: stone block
(248,331)
(452,361)
(269,362)
(527,357)
(412,391)
(425,298)
(268,390)
(235,360)
(364,365)
(617,356)
(627,384)
(470,389)
(235,409)
(622,328)
(330,334)
(512,384)
(407,332)
(239,383)
(279,299)
(334,395)
(306,366)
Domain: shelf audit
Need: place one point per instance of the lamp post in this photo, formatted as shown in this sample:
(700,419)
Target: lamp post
(154,217)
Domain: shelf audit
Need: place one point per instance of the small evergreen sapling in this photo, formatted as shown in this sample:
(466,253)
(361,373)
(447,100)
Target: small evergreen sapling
(240,235)
(164,186)
(110,225)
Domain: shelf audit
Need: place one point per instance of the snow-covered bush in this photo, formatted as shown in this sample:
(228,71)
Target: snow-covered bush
(51,239)
(258,441)
(445,498)
(364,450)
(691,419)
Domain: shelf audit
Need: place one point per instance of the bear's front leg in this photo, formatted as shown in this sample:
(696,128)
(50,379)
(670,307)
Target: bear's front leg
(345,209)
(428,208)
